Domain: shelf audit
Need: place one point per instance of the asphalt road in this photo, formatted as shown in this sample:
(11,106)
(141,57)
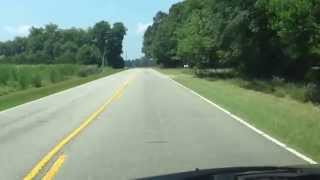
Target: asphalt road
(151,127)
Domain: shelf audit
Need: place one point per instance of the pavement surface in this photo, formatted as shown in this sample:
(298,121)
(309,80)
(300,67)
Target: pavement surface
(151,127)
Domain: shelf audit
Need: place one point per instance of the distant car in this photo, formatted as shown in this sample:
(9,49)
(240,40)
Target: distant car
(247,173)
(186,66)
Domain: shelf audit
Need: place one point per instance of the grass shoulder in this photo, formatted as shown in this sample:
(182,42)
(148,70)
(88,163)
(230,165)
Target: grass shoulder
(293,122)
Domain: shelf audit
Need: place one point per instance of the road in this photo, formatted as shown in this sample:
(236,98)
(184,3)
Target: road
(147,125)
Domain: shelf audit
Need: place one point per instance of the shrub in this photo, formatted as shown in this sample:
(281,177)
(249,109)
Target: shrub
(313,75)
(37,80)
(88,70)
(24,81)
(277,81)
(15,74)
(6,90)
(24,75)
(295,91)
(279,93)
(13,84)
(214,73)
(5,73)
(55,76)
(312,93)
(259,85)
(67,69)
(16,77)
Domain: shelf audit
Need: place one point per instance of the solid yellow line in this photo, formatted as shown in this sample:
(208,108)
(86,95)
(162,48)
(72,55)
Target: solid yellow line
(36,169)
(55,168)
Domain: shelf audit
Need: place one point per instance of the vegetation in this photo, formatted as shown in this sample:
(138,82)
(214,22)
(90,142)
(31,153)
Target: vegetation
(52,45)
(293,122)
(140,62)
(277,86)
(51,59)
(53,78)
(258,38)
(20,77)
(238,49)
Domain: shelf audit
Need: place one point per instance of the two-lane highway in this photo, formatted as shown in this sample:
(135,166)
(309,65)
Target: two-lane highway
(142,124)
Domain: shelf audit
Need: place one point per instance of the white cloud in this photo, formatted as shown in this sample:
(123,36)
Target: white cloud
(142,27)
(22,30)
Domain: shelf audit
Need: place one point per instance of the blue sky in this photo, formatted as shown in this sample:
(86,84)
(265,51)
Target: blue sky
(17,16)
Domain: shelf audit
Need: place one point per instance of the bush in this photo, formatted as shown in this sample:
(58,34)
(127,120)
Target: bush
(313,75)
(259,85)
(277,81)
(24,81)
(279,93)
(37,81)
(312,93)
(25,76)
(215,73)
(295,91)
(55,76)
(14,74)
(88,70)
(68,69)
(13,84)
(16,77)
(5,73)
(5,90)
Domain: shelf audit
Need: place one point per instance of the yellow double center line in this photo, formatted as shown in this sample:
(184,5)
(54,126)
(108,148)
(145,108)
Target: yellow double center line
(55,168)
(44,161)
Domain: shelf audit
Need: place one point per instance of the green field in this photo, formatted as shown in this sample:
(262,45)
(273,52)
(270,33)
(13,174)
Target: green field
(22,83)
(293,122)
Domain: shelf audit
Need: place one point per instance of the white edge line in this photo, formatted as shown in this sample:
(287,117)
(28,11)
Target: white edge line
(279,143)
(55,94)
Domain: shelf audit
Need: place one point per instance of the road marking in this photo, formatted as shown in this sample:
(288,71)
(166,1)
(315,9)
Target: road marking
(37,168)
(55,168)
(270,138)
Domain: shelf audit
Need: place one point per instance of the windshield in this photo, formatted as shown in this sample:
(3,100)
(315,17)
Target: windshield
(130,89)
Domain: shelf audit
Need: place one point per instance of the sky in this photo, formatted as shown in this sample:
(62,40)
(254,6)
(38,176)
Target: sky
(16,16)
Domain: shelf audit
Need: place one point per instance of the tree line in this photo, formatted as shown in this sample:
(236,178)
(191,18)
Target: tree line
(100,44)
(259,38)
(140,62)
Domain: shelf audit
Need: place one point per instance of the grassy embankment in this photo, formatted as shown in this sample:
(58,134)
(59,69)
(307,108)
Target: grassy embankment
(22,83)
(293,122)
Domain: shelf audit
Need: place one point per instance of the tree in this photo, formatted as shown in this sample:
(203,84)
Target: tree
(115,46)
(195,42)
(68,54)
(260,38)
(51,35)
(88,54)
(296,23)
(160,41)
(102,37)
(50,44)
(35,40)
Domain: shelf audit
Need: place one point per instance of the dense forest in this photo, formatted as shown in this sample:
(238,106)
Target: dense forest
(258,38)
(99,44)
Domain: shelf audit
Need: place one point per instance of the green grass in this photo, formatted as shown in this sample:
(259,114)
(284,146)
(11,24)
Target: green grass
(22,96)
(293,122)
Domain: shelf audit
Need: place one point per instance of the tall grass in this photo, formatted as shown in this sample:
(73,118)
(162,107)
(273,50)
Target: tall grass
(20,77)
